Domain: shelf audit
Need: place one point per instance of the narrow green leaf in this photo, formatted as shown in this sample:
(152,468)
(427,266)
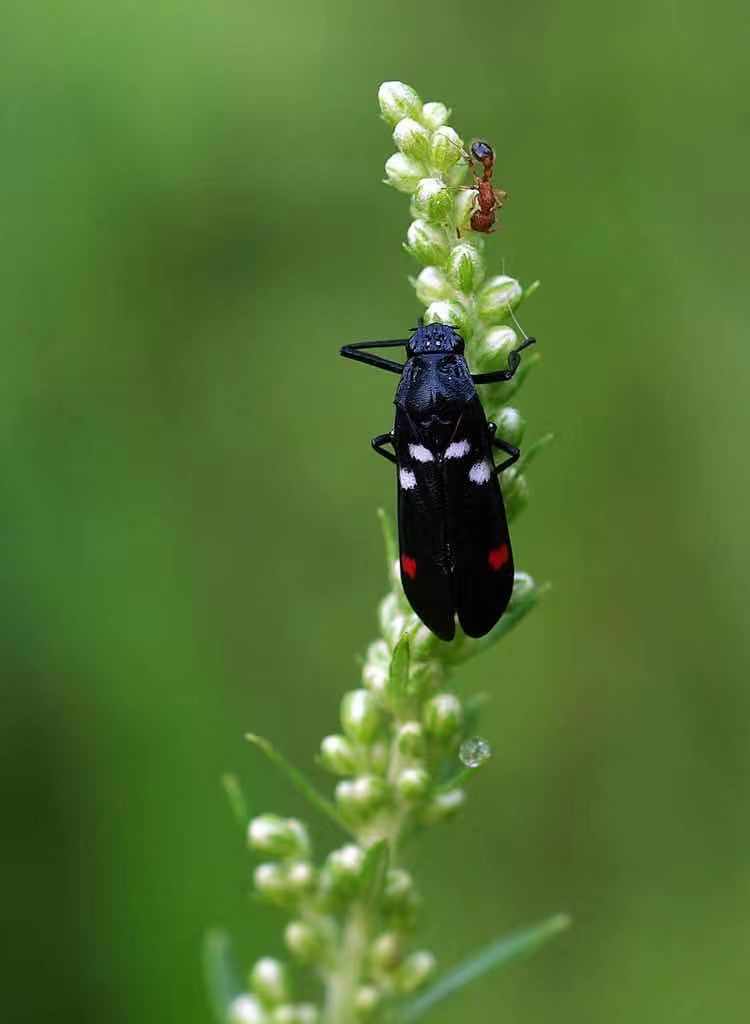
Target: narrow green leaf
(530,451)
(221,975)
(298,780)
(236,798)
(528,292)
(460,778)
(398,679)
(374,871)
(496,954)
(389,539)
(517,610)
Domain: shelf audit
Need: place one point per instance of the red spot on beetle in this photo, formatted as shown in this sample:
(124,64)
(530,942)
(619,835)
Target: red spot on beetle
(409,566)
(498,557)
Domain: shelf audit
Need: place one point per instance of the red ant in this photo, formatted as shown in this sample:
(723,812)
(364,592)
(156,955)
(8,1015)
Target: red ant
(489,198)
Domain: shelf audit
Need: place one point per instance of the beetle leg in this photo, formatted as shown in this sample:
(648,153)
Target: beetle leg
(378,442)
(514,361)
(354,352)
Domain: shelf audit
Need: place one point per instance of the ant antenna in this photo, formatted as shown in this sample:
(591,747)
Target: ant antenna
(515,321)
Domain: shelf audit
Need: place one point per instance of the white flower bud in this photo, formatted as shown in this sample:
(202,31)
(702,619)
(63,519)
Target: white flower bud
(347,859)
(399,894)
(432,285)
(416,970)
(375,677)
(361,715)
(366,1000)
(446,148)
(298,1013)
(413,783)
(389,609)
(443,716)
(427,242)
(523,585)
(510,424)
(302,940)
(403,172)
(434,115)
(300,877)
(465,267)
(344,795)
(270,881)
(394,628)
(398,100)
(362,796)
(386,951)
(413,139)
(445,311)
(337,755)
(342,872)
(464,205)
(246,1010)
(444,806)
(434,200)
(494,347)
(379,653)
(307,1014)
(410,739)
(278,837)
(269,982)
(498,296)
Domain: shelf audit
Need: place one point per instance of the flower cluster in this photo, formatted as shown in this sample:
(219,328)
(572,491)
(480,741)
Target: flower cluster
(406,744)
(430,166)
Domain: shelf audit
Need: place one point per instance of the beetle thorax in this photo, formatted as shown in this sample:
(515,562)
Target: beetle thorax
(434,390)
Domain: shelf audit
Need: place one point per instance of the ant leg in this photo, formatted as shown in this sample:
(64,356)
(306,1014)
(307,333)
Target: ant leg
(378,442)
(514,361)
(354,352)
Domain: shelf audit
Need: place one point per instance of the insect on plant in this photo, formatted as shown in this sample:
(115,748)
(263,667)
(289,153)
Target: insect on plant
(455,553)
(489,198)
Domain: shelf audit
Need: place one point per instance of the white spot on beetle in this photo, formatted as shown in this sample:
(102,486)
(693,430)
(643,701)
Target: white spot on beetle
(480,472)
(420,453)
(407,478)
(457,449)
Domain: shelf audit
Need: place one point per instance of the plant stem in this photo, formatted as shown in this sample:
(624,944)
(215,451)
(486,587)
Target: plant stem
(343,981)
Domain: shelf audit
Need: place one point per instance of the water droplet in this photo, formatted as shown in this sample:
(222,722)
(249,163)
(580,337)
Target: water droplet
(475,751)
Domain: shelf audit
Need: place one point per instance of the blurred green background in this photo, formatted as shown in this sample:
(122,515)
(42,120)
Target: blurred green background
(193,222)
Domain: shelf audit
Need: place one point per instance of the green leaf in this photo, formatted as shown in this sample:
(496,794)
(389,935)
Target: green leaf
(221,974)
(389,539)
(528,292)
(496,954)
(236,798)
(530,451)
(299,781)
(517,610)
(460,778)
(398,679)
(374,871)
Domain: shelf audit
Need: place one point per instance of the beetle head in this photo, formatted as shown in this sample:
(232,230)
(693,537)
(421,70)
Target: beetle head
(433,339)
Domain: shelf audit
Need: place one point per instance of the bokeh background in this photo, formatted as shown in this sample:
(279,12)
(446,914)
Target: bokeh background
(192,223)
